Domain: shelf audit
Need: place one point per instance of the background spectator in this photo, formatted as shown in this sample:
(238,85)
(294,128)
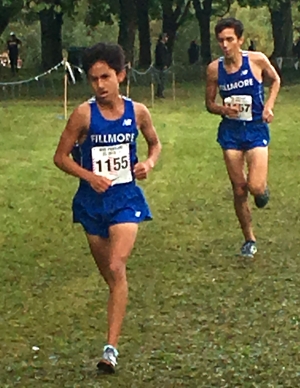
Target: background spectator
(13,44)
(193,52)
(161,63)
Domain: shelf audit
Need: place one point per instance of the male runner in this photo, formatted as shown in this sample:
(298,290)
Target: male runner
(108,203)
(243,132)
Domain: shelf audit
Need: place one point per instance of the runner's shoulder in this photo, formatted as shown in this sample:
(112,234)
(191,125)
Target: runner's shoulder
(258,58)
(212,70)
(81,115)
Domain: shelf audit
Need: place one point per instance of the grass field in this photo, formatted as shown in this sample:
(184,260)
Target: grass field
(198,316)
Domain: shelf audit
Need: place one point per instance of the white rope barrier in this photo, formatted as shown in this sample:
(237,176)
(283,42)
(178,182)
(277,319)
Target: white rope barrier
(70,71)
(36,78)
(131,71)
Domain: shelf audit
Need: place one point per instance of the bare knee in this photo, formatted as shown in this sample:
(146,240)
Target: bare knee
(240,189)
(117,269)
(256,188)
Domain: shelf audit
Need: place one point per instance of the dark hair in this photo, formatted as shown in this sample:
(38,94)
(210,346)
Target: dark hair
(236,24)
(110,53)
(162,36)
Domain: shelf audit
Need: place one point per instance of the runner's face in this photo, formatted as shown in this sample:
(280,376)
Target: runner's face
(230,44)
(105,81)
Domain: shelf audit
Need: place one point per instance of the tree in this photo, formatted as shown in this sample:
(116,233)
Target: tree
(8,10)
(175,13)
(282,23)
(50,13)
(101,11)
(125,10)
(142,8)
(127,27)
(282,28)
(51,22)
(204,10)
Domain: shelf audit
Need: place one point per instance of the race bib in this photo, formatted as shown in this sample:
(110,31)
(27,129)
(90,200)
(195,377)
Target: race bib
(112,162)
(244,105)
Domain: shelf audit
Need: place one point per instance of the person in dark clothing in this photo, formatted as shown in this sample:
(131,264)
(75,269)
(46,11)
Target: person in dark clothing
(13,44)
(161,63)
(193,52)
(296,49)
(252,46)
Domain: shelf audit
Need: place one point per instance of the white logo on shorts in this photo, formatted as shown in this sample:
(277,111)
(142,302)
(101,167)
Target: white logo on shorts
(265,142)
(138,214)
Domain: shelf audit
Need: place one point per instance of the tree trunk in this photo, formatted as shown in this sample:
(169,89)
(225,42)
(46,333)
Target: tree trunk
(127,28)
(51,26)
(282,29)
(142,7)
(174,15)
(8,12)
(288,29)
(203,13)
(3,22)
(169,26)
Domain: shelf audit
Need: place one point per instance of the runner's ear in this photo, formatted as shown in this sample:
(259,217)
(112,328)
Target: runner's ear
(121,76)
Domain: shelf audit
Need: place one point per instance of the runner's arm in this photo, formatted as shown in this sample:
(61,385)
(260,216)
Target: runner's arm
(272,75)
(77,123)
(145,124)
(211,93)
(211,90)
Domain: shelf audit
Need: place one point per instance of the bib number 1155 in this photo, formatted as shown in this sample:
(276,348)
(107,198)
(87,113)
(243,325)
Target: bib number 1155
(112,162)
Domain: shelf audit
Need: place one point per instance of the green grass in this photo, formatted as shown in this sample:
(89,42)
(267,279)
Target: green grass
(198,315)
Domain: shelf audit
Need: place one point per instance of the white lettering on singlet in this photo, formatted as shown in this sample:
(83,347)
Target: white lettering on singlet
(236,85)
(113,138)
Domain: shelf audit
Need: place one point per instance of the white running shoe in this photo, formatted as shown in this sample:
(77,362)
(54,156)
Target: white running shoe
(109,360)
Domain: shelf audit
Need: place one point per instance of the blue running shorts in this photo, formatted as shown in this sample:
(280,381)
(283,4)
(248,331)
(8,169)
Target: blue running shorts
(120,204)
(243,135)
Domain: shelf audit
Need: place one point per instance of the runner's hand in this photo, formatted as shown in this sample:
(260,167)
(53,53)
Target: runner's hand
(268,114)
(99,183)
(142,169)
(232,112)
